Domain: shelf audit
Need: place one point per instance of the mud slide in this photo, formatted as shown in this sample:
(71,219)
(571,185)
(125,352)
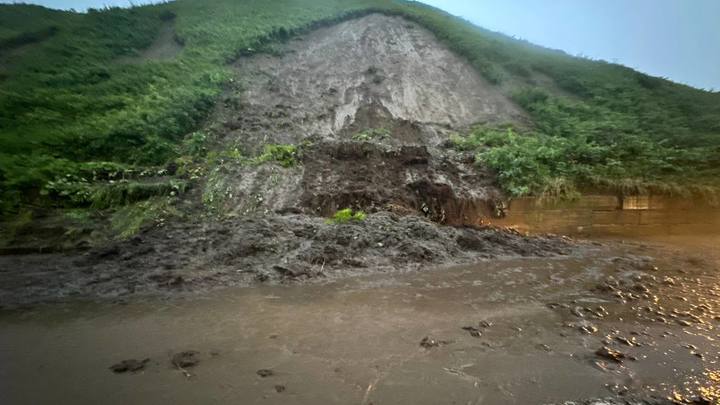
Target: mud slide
(371,104)
(374,102)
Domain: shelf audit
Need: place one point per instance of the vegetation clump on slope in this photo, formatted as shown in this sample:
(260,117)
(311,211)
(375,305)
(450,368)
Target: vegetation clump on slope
(346,215)
(69,104)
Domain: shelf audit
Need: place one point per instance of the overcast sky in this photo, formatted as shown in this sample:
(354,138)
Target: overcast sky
(678,39)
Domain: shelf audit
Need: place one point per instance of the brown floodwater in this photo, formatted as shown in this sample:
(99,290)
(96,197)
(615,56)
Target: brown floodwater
(358,340)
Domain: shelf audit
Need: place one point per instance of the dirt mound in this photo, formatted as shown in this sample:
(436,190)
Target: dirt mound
(270,249)
(407,179)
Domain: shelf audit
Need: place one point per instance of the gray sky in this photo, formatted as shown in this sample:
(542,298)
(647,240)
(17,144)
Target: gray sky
(678,39)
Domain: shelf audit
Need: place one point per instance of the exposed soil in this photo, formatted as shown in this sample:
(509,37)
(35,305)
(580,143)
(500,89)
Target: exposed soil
(372,68)
(321,91)
(408,180)
(272,249)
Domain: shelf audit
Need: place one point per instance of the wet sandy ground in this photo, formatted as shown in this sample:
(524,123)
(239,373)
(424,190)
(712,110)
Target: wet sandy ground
(538,323)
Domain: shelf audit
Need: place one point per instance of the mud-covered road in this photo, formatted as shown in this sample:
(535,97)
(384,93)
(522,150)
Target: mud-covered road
(623,320)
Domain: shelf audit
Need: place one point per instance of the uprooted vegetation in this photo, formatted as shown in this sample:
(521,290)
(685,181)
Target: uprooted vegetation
(192,256)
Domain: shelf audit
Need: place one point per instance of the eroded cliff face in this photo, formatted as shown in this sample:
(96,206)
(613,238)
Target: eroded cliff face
(326,90)
(322,81)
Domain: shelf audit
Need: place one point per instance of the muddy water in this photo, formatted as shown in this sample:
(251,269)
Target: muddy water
(358,341)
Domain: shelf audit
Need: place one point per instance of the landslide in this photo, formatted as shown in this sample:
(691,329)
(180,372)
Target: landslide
(365,110)
(373,101)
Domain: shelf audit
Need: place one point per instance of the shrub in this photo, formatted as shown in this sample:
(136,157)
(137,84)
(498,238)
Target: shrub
(533,163)
(347,215)
(284,155)
(195,144)
(371,134)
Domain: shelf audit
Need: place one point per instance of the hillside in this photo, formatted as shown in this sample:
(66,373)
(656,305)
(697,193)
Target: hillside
(125,117)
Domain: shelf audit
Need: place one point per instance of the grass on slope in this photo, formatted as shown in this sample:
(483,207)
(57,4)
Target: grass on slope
(71,113)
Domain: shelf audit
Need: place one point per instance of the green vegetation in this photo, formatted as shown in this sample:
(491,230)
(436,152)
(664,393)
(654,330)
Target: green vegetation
(284,155)
(72,112)
(563,166)
(217,191)
(371,134)
(72,191)
(128,220)
(346,215)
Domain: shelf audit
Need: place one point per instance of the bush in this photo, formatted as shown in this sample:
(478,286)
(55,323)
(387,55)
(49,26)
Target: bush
(347,215)
(562,166)
(284,155)
(371,134)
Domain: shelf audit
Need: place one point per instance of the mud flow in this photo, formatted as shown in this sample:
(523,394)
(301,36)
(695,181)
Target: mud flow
(623,320)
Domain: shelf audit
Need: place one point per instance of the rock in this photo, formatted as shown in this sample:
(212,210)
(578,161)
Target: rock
(641,288)
(610,354)
(279,388)
(583,326)
(474,332)
(626,341)
(544,348)
(428,343)
(701,400)
(131,365)
(186,359)
(577,311)
(264,372)
(598,312)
